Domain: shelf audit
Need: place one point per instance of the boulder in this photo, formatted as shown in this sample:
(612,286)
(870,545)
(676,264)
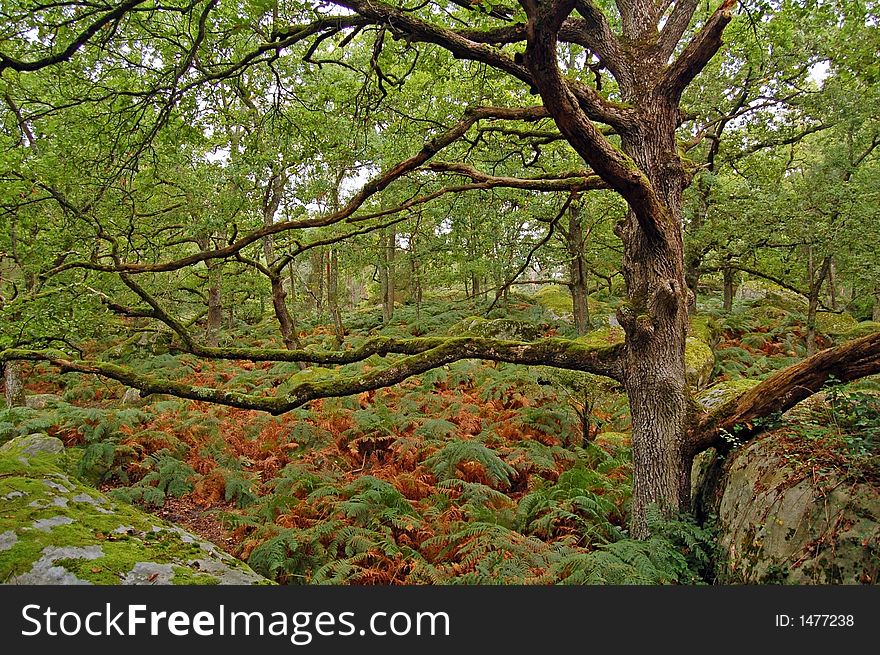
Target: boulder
(699,362)
(834,324)
(779,523)
(499,328)
(720,393)
(132,398)
(41,400)
(32,444)
(56,530)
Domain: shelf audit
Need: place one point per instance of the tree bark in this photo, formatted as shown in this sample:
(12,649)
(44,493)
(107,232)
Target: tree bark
(387,244)
(729,288)
(215,305)
(875,315)
(15,396)
(333,294)
(577,272)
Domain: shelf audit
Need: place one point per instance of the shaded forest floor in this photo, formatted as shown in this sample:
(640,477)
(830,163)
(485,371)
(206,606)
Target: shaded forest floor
(472,473)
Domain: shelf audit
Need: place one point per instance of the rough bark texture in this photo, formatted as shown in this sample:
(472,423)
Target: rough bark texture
(13,384)
(729,288)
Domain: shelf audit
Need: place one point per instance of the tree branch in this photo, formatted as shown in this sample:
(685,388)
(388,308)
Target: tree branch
(784,389)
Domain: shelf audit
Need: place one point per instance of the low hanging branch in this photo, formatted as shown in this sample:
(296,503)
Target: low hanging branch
(561,353)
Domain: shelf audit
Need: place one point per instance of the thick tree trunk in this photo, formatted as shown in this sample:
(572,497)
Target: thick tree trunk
(577,272)
(655,320)
(14,384)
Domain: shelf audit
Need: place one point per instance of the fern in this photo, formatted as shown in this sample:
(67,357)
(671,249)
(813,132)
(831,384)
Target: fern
(445,462)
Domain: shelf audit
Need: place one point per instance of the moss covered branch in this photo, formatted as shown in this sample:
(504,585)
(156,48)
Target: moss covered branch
(784,389)
(422,356)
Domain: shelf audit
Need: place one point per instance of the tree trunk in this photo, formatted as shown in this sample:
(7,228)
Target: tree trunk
(832,286)
(475,285)
(14,384)
(875,315)
(577,272)
(729,288)
(282,313)
(387,243)
(815,285)
(215,306)
(656,323)
(333,294)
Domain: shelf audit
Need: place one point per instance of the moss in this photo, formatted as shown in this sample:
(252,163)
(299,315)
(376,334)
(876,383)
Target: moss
(602,337)
(704,328)
(699,361)
(720,393)
(37,491)
(859,330)
(186,576)
(832,324)
(557,299)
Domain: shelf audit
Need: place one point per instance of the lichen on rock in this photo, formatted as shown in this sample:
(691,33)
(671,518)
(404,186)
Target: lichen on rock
(56,530)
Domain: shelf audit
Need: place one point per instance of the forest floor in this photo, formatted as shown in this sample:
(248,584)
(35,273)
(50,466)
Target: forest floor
(471,473)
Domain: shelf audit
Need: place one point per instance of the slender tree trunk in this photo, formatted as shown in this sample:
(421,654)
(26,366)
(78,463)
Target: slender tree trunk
(475,285)
(816,279)
(333,294)
(729,288)
(215,305)
(577,272)
(316,280)
(876,313)
(386,273)
(15,396)
(832,286)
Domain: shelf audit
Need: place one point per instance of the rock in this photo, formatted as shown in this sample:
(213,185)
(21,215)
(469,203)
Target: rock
(132,398)
(834,324)
(699,362)
(720,393)
(779,524)
(557,300)
(41,400)
(56,530)
(705,329)
(858,331)
(33,444)
(499,328)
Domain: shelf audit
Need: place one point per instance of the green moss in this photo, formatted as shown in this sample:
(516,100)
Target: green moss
(186,576)
(704,328)
(606,336)
(44,507)
(699,361)
(556,298)
(860,330)
(832,324)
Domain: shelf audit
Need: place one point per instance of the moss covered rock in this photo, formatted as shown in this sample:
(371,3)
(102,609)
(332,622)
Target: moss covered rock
(833,324)
(499,328)
(859,330)
(56,530)
(720,393)
(778,523)
(699,362)
(557,300)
